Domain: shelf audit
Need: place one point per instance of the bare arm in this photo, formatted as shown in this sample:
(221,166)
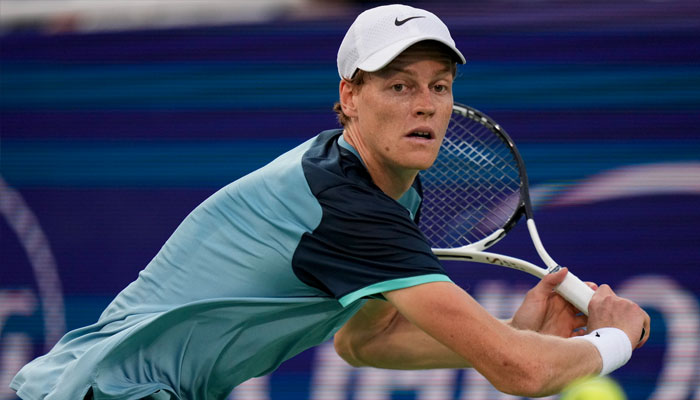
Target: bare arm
(515,361)
(383,335)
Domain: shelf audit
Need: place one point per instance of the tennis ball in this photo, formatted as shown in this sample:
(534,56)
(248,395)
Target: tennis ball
(596,388)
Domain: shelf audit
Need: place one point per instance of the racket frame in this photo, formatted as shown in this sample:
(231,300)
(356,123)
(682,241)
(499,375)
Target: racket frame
(572,288)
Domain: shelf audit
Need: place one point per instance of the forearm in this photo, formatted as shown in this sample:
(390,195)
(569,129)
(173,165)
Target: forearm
(536,365)
(515,361)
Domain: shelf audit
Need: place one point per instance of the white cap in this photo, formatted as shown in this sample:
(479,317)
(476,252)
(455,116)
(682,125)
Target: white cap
(380,34)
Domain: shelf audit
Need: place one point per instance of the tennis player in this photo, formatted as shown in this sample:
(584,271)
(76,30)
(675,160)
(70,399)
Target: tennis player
(323,241)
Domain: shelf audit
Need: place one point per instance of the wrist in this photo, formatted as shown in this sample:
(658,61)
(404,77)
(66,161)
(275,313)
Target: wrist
(613,345)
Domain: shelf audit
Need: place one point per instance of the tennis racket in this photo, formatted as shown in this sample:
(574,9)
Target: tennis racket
(475,192)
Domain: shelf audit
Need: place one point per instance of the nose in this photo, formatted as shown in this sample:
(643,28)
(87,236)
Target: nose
(424,103)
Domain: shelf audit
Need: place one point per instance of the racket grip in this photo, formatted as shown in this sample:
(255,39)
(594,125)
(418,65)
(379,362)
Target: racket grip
(575,292)
(579,294)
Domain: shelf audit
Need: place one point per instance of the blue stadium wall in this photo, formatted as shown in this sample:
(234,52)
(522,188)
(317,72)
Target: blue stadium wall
(109,139)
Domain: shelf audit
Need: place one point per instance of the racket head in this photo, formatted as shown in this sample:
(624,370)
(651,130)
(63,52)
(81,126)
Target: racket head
(477,189)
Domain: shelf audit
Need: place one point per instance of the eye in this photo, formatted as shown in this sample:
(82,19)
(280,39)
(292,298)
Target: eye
(398,87)
(440,88)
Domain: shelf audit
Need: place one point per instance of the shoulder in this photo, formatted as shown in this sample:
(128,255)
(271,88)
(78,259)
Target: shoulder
(329,165)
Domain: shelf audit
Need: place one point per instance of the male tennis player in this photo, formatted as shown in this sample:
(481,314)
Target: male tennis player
(323,241)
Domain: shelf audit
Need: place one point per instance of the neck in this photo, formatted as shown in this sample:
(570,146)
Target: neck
(394,182)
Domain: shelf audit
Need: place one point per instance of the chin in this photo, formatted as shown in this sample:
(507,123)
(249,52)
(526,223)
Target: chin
(418,160)
(426,163)
(421,166)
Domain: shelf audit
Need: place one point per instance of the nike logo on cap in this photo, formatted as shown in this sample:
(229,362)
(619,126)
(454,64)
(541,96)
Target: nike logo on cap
(398,22)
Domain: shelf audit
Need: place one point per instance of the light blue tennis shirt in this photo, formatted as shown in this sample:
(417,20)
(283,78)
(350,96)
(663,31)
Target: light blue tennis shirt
(270,265)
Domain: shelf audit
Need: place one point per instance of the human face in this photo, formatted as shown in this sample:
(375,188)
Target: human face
(400,114)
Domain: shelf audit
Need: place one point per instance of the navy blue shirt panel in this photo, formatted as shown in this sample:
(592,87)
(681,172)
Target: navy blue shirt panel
(365,237)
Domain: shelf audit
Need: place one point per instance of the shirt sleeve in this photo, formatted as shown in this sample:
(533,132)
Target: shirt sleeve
(366,244)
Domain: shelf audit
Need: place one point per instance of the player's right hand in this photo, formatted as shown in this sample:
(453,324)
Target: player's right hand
(606,309)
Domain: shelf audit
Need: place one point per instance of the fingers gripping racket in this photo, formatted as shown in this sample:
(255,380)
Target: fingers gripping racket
(475,192)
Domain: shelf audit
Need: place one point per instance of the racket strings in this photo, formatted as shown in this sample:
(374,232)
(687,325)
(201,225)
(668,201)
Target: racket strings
(473,188)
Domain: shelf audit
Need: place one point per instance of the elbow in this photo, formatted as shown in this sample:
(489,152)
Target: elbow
(524,379)
(345,350)
(533,386)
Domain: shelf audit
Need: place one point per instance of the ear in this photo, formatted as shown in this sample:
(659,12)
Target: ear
(347,98)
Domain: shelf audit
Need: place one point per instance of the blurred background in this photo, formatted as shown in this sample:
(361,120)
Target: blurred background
(118,117)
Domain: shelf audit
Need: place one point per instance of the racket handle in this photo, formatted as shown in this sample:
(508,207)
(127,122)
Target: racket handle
(579,294)
(575,292)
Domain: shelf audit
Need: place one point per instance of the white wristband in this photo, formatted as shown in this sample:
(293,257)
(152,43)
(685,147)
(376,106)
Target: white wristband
(613,345)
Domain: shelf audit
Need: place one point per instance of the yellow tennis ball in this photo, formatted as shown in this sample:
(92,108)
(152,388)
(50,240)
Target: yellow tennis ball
(596,388)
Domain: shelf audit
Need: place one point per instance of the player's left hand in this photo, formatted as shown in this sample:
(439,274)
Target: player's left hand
(545,311)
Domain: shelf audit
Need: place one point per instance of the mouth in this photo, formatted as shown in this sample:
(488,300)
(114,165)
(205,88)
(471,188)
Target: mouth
(424,134)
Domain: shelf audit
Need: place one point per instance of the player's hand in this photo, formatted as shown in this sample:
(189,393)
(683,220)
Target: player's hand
(606,309)
(545,311)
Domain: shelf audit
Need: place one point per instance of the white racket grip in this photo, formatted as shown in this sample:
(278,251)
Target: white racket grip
(575,292)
